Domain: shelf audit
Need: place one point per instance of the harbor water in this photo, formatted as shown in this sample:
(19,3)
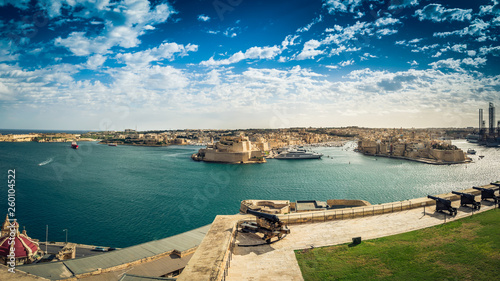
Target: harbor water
(126,195)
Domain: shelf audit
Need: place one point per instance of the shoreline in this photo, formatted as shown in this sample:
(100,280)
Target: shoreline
(420,160)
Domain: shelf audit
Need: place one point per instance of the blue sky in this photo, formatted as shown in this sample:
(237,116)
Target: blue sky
(111,65)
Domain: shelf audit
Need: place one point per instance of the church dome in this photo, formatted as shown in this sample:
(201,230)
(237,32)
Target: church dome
(25,249)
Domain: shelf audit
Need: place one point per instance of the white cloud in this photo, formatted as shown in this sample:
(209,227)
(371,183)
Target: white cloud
(425,48)
(342,49)
(490,50)
(307,27)
(459,48)
(344,6)
(437,13)
(386,32)
(476,28)
(413,63)
(490,9)
(437,55)
(164,51)
(447,63)
(386,21)
(351,32)
(231,31)
(476,62)
(367,56)
(289,41)
(400,4)
(251,53)
(123,23)
(346,63)
(309,51)
(204,18)
(455,64)
(471,53)
(95,61)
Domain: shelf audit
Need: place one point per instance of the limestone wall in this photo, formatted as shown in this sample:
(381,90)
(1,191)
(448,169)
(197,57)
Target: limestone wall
(363,211)
(228,157)
(448,155)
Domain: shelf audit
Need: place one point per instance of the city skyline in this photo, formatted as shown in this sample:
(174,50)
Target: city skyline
(112,65)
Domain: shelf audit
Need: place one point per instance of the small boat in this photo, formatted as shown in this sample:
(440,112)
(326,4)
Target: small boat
(471,151)
(74,145)
(112,144)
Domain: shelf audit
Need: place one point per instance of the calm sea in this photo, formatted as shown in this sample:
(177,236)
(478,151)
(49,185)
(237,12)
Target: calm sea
(122,196)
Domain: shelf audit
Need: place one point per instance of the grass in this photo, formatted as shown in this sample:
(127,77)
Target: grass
(466,249)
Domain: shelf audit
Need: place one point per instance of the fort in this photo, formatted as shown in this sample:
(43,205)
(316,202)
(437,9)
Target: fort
(233,150)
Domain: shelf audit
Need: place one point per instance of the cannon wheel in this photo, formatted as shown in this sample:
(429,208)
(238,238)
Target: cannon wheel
(268,241)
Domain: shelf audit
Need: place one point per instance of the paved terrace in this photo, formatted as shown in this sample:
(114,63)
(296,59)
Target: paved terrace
(214,259)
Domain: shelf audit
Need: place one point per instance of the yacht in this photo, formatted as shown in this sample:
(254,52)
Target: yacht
(298,154)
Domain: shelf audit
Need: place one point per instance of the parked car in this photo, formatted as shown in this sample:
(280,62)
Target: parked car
(100,249)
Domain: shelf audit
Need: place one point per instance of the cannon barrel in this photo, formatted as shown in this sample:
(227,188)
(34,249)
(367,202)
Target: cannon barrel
(463,194)
(495,184)
(269,217)
(439,199)
(486,190)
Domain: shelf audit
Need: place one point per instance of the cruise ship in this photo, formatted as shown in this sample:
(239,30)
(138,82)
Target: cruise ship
(298,154)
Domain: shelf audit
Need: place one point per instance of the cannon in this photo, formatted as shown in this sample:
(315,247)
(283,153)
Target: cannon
(444,205)
(468,199)
(495,184)
(487,193)
(267,224)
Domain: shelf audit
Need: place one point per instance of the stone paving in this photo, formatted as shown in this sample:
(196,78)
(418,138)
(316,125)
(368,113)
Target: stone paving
(277,261)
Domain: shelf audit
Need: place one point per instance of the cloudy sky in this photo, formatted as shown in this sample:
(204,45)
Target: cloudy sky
(164,64)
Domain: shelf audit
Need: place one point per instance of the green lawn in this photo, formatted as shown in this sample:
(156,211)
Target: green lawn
(466,249)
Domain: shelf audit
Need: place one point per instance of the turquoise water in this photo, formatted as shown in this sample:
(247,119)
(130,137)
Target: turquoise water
(125,195)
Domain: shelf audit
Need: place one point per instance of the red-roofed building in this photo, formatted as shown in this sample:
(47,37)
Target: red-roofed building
(15,246)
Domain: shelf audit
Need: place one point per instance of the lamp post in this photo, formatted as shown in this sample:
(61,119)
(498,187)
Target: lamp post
(65,230)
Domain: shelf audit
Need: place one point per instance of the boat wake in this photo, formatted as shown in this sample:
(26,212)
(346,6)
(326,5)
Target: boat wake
(46,162)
